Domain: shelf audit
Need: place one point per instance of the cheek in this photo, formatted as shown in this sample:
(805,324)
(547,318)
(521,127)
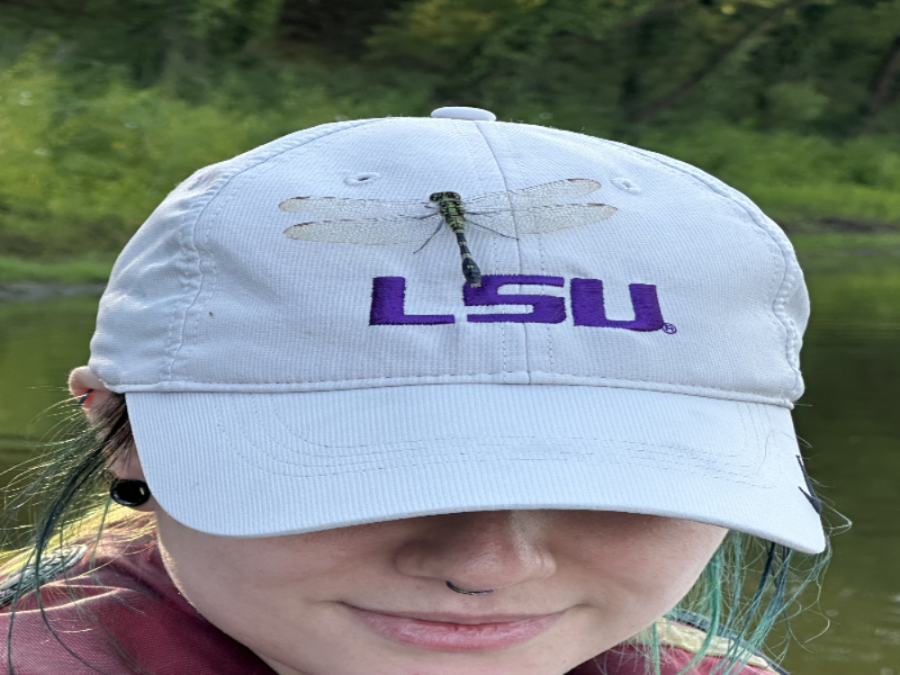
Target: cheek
(277,576)
(642,568)
(218,573)
(276,584)
(202,567)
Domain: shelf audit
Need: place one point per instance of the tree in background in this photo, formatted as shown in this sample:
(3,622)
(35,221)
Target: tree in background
(794,101)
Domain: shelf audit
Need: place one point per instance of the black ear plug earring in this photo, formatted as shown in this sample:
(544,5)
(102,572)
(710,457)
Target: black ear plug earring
(129,492)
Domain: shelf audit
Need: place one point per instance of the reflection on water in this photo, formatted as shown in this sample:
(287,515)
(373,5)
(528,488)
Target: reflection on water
(851,362)
(40,342)
(852,365)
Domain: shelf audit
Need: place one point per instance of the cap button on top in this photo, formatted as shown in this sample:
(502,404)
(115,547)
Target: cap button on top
(462,113)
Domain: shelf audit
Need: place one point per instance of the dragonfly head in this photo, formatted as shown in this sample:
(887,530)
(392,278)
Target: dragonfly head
(440,196)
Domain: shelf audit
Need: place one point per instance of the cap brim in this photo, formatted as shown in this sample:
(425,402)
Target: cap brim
(253,465)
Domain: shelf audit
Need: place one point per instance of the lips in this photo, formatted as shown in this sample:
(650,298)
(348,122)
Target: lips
(455,632)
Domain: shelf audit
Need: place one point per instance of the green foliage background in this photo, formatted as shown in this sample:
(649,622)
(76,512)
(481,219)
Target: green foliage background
(106,104)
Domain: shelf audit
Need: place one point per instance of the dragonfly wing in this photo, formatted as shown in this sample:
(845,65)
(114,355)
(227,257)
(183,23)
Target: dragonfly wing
(370,231)
(338,208)
(537,195)
(542,219)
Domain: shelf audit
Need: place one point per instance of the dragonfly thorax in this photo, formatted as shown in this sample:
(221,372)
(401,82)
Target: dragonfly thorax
(449,205)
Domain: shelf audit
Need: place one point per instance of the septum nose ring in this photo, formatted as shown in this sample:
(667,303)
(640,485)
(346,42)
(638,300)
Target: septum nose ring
(453,587)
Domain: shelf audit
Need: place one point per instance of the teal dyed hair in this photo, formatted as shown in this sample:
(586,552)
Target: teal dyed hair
(746,589)
(65,492)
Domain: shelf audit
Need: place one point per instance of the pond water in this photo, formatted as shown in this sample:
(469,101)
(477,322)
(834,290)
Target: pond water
(849,415)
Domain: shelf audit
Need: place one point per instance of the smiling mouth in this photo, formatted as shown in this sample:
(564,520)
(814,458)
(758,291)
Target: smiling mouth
(455,632)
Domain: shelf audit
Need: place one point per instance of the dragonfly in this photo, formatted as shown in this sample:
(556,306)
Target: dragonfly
(533,210)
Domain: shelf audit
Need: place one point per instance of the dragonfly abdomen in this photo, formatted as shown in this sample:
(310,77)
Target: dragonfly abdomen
(452,211)
(469,267)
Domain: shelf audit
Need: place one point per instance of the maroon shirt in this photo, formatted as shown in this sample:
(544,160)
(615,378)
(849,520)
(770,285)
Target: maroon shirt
(128,612)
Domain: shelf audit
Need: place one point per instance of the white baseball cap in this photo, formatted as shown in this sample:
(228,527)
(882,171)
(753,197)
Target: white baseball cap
(300,350)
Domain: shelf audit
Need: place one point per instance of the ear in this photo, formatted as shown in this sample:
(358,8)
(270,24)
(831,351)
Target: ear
(89,389)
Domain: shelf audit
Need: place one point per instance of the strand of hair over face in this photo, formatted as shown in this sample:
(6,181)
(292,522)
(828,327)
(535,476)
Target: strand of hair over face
(67,487)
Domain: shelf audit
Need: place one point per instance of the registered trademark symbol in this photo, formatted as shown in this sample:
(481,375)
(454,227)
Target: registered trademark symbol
(669,328)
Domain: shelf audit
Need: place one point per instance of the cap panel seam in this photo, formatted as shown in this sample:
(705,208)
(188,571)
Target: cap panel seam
(214,281)
(189,304)
(548,330)
(477,168)
(502,173)
(213,277)
(183,306)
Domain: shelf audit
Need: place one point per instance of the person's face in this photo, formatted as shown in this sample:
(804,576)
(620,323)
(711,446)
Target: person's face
(373,599)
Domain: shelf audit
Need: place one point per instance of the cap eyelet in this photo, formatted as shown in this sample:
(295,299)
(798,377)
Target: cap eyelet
(627,185)
(360,178)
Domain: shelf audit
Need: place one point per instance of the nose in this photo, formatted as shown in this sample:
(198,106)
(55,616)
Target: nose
(479,550)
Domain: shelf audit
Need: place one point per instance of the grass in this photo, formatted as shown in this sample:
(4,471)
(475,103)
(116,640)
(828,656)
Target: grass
(81,270)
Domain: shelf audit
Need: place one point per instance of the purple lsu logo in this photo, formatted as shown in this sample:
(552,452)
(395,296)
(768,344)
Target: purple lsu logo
(389,294)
